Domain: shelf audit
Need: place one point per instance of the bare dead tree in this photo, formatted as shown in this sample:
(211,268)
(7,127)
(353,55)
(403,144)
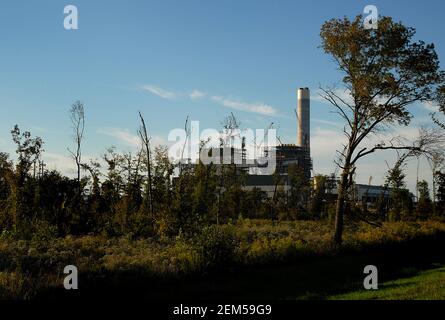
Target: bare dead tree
(143,133)
(77,117)
(187,135)
(230,126)
(138,165)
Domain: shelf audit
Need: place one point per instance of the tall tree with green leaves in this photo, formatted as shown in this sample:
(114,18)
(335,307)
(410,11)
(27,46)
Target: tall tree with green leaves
(28,151)
(424,204)
(384,72)
(6,179)
(441,192)
(400,202)
(318,197)
(299,191)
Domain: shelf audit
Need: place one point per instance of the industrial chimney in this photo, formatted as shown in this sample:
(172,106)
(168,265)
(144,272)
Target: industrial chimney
(303,113)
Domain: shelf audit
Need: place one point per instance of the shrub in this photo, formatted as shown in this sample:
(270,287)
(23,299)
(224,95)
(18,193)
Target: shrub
(43,232)
(12,285)
(217,246)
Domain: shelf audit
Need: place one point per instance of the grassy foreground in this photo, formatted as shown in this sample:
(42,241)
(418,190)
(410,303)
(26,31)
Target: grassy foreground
(427,285)
(248,260)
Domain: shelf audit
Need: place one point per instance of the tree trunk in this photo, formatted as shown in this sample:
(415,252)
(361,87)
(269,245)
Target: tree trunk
(145,139)
(434,191)
(78,174)
(340,208)
(342,196)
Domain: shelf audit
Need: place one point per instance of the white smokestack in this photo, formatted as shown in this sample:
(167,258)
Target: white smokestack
(303,112)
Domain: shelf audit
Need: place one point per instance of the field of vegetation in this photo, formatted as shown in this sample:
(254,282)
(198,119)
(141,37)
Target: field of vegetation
(34,268)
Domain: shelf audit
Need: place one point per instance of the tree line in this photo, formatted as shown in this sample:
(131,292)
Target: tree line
(139,194)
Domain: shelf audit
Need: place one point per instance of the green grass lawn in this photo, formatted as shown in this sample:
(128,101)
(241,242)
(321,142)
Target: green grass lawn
(426,285)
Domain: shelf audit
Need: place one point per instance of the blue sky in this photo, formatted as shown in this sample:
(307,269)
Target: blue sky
(242,56)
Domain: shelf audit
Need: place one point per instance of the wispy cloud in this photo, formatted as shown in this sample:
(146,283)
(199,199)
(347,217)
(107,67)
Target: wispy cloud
(343,94)
(160,92)
(330,123)
(130,139)
(63,163)
(325,142)
(123,135)
(256,107)
(429,106)
(39,129)
(196,94)
(253,107)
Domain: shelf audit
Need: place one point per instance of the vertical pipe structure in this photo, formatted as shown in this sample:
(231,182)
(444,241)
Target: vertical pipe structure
(303,112)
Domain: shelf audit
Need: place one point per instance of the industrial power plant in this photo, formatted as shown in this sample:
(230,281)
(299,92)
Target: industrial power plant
(296,155)
(284,156)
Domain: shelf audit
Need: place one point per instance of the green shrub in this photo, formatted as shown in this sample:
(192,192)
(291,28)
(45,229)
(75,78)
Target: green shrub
(8,234)
(217,246)
(43,232)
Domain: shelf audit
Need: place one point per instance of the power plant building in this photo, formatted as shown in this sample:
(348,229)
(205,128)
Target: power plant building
(286,155)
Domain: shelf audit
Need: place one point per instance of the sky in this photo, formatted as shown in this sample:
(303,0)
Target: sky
(173,59)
